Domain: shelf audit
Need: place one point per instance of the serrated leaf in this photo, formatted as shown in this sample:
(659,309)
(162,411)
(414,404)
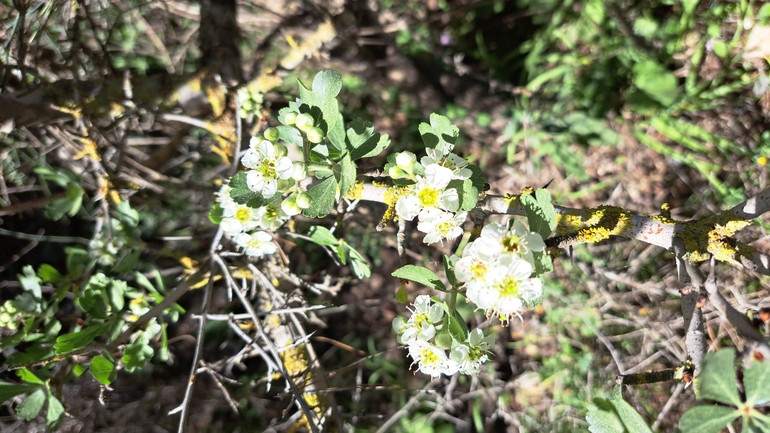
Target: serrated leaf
(291,135)
(127,261)
(11,390)
(28,409)
(363,142)
(603,418)
(77,340)
(322,197)
(756,379)
(101,368)
(420,275)
(717,381)
(326,86)
(322,236)
(345,173)
(543,263)
(54,413)
(440,134)
(707,419)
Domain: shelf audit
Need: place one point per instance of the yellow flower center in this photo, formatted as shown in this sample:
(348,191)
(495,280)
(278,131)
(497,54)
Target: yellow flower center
(428,197)
(429,357)
(512,243)
(444,228)
(509,287)
(478,270)
(268,169)
(243,214)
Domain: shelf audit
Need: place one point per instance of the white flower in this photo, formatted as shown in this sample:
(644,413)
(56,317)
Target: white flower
(224,198)
(422,324)
(429,192)
(457,164)
(431,359)
(470,356)
(256,244)
(272,216)
(473,268)
(266,168)
(238,218)
(496,239)
(440,225)
(406,160)
(514,288)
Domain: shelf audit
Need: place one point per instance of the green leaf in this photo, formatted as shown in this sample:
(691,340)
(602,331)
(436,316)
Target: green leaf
(29,377)
(28,409)
(127,261)
(717,380)
(77,261)
(136,354)
(345,173)
(657,82)
(11,390)
(420,275)
(402,297)
(457,326)
(322,236)
(720,48)
(322,197)
(241,194)
(541,215)
(326,86)
(291,135)
(215,214)
(116,291)
(543,263)
(603,418)
(101,369)
(440,134)
(630,417)
(363,142)
(30,282)
(707,419)
(49,274)
(756,379)
(54,414)
(449,271)
(77,340)
(468,194)
(358,263)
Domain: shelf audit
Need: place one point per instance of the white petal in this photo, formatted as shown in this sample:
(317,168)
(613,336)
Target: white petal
(270,188)
(284,167)
(437,176)
(449,200)
(250,159)
(407,207)
(266,149)
(255,181)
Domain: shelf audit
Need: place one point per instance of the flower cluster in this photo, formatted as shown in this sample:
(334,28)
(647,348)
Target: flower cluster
(430,198)
(496,269)
(271,174)
(428,342)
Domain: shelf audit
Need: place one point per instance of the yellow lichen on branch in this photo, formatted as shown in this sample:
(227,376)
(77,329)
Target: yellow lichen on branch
(297,366)
(713,236)
(593,225)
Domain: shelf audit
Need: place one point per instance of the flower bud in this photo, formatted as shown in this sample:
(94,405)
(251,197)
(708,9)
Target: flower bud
(315,135)
(280,150)
(290,207)
(303,200)
(271,134)
(304,121)
(444,341)
(299,171)
(290,118)
(406,160)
